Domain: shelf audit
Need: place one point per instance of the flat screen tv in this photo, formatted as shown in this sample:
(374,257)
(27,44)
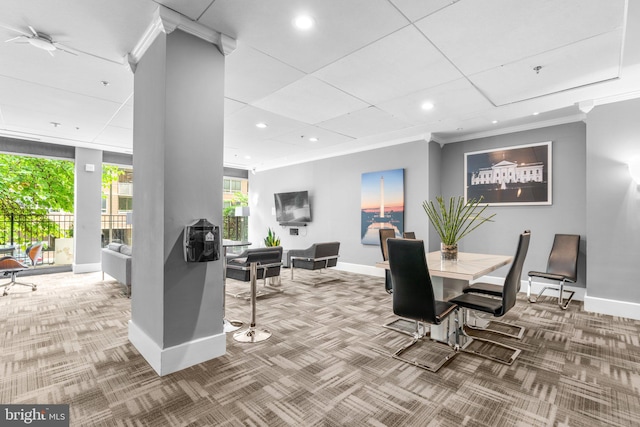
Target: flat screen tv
(293,208)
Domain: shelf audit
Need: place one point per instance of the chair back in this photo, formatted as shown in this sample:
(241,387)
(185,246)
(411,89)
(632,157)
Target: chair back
(413,296)
(512,281)
(563,259)
(386,233)
(34,253)
(327,249)
(269,258)
(409,235)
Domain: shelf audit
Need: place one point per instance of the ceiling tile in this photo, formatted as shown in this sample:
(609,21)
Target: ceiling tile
(300,137)
(477,36)
(562,69)
(341,27)
(311,101)
(192,8)
(365,122)
(415,10)
(244,122)
(251,75)
(455,99)
(401,63)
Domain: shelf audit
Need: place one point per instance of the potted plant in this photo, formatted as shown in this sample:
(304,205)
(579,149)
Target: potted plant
(454,220)
(271,239)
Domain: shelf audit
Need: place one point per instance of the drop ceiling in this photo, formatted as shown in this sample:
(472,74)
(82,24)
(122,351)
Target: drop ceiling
(356,80)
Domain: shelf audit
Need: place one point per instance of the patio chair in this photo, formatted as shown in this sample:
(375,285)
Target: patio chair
(12,266)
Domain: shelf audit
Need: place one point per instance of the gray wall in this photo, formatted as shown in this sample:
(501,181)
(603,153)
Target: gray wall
(613,202)
(334,190)
(567,214)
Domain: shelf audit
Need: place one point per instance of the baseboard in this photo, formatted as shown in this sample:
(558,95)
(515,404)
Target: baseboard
(536,287)
(86,268)
(173,359)
(369,270)
(630,310)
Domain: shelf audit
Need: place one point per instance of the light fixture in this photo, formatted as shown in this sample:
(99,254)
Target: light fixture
(535,113)
(104,83)
(494,122)
(427,106)
(261,125)
(54,124)
(42,41)
(313,139)
(303,22)
(634,169)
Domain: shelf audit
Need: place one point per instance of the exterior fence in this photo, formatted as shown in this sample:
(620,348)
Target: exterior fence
(54,230)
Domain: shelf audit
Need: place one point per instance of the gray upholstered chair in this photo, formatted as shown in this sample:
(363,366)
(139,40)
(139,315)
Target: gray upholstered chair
(316,257)
(269,264)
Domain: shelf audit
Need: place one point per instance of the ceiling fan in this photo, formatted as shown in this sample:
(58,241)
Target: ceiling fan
(42,41)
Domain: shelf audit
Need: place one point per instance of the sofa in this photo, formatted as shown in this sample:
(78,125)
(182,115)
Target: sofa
(116,262)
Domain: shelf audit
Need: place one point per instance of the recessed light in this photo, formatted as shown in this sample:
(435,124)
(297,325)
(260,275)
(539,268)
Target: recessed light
(303,22)
(261,125)
(313,139)
(104,83)
(55,124)
(247,157)
(494,122)
(536,113)
(427,106)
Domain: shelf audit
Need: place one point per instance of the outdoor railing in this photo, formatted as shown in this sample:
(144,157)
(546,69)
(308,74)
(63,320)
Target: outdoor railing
(24,230)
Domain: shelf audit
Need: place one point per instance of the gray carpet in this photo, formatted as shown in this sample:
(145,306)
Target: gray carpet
(328,363)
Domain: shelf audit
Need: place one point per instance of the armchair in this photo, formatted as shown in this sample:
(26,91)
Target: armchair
(316,257)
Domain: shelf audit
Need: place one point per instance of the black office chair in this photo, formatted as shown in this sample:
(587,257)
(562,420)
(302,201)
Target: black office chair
(386,233)
(413,296)
(562,267)
(497,307)
(409,235)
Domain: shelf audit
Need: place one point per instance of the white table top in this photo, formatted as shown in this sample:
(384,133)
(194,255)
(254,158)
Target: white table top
(468,267)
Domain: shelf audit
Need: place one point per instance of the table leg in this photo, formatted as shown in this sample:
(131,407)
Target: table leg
(227,325)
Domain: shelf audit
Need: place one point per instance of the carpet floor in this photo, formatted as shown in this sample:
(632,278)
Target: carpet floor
(328,363)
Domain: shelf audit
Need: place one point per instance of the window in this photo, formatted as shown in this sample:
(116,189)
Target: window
(104,204)
(125,204)
(231,186)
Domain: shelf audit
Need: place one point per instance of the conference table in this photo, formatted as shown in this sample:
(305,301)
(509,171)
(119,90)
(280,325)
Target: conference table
(450,277)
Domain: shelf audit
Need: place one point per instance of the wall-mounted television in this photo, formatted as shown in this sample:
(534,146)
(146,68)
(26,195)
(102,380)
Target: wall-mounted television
(293,208)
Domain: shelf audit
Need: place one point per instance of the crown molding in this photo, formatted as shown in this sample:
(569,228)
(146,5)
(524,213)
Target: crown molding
(166,21)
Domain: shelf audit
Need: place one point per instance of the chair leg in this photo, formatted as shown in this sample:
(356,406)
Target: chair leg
(508,326)
(8,286)
(405,326)
(478,346)
(252,334)
(563,304)
(435,367)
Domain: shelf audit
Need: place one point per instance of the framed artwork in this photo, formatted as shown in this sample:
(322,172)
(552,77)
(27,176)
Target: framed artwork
(519,175)
(381,204)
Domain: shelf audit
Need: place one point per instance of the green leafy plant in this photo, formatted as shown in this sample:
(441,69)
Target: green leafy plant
(271,239)
(455,219)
